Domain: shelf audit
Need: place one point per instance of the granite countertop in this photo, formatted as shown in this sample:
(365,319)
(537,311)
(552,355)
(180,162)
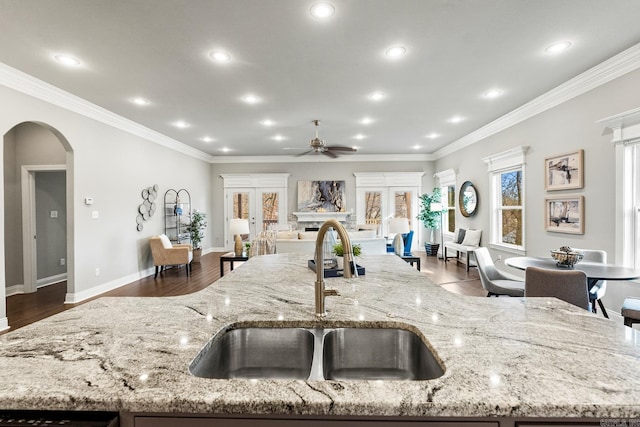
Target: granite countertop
(503,356)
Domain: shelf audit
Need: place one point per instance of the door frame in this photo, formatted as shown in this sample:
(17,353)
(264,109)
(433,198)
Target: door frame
(29,252)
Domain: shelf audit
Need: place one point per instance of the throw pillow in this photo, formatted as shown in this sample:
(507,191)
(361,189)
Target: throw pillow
(460,236)
(307,235)
(287,235)
(166,243)
(472,238)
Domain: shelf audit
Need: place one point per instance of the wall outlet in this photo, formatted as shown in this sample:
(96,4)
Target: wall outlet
(63,261)
(95,215)
(97,271)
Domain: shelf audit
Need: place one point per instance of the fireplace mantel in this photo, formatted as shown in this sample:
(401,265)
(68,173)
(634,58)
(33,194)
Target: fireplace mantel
(321,216)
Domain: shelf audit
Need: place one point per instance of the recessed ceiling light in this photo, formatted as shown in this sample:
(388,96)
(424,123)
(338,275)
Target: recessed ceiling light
(455,119)
(207,139)
(322,10)
(220,56)
(359,136)
(395,52)
(366,120)
(181,124)
(557,47)
(432,135)
(267,122)
(279,138)
(67,60)
(140,101)
(493,93)
(417,147)
(225,149)
(376,96)
(251,99)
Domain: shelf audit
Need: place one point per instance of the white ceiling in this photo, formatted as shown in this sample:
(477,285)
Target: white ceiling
(306,69)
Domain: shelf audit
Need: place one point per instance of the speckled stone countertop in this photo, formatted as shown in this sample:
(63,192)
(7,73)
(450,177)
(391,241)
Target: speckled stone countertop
(503,356)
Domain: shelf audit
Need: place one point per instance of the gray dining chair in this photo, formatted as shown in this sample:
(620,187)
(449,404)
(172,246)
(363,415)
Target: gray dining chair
(597,291)
(570,286)
(493,280)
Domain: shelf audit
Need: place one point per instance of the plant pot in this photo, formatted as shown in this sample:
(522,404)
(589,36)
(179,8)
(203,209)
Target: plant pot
(197,253)
(340,263)
(431,248)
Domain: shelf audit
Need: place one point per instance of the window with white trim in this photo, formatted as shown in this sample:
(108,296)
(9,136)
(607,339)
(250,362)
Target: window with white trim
(626,137)
(507,222)
(447,183)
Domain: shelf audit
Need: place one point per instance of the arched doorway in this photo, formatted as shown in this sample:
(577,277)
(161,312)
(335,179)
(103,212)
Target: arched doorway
(37,166)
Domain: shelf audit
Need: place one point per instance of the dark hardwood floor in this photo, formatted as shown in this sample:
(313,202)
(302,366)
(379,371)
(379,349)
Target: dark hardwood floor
(24,309)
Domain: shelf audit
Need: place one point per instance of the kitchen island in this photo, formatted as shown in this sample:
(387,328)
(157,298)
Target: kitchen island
(505,359)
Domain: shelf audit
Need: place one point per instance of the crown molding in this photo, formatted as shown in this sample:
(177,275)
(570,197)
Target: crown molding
(325,159)
(611,69)
(29,85)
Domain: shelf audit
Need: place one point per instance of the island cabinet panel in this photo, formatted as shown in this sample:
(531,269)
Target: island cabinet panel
(172,421)
(203,420)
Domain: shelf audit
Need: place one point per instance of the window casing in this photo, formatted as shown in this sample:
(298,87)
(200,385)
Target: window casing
(507,201)
(447,183)
(625,134)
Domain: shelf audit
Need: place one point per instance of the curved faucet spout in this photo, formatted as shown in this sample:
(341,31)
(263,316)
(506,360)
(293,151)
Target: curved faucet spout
(320,292)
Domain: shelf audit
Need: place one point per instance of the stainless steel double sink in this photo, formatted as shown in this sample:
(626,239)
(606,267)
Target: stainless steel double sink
(317,354)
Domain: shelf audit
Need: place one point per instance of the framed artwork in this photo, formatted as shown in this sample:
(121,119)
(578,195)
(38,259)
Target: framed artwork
(564,171)
(321,196)
(564,214)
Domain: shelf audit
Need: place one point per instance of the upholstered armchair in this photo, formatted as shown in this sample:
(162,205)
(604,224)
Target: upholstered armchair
(165,253)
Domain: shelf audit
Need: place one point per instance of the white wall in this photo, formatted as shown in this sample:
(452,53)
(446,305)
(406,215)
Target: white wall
(113,167)
(567,127)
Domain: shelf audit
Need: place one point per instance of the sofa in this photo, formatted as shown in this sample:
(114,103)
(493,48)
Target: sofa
(305,242)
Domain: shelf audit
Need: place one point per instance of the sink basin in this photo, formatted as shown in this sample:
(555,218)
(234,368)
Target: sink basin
(275,353)
(316,354)
(377,354)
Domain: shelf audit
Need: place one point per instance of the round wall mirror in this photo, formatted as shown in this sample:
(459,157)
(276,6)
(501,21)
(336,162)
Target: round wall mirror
(468,199)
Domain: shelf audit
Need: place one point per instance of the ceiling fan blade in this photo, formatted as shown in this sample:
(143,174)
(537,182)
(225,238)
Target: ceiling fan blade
(330,154)
(303,153)
(339,148)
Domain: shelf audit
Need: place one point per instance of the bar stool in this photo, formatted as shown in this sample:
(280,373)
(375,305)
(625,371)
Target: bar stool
(631,311)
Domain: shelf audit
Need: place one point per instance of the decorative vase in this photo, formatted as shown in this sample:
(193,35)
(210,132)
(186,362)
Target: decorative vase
(197,253)
(339,263)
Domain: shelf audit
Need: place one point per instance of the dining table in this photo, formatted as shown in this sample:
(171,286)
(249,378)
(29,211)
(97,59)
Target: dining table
(595,271)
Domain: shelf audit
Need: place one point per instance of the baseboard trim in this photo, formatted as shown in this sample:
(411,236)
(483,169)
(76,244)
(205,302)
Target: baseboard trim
(14,290)
(76,297)
(51,280)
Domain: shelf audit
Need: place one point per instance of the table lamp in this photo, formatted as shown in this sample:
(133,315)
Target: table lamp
(238,226)
(399,226)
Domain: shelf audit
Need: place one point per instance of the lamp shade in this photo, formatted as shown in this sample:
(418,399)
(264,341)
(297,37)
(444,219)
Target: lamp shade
(436,207)
(239,226)
(399,225)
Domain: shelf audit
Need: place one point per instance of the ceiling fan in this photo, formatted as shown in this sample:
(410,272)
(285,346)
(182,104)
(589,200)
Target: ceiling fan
(318,146)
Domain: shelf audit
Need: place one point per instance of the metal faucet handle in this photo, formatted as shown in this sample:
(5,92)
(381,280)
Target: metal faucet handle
(331,293)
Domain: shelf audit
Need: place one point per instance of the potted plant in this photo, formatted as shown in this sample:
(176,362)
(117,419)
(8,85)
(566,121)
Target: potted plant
(196,232)
(430,219)
(339,250)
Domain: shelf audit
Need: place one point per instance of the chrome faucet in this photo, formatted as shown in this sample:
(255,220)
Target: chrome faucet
(321,292)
